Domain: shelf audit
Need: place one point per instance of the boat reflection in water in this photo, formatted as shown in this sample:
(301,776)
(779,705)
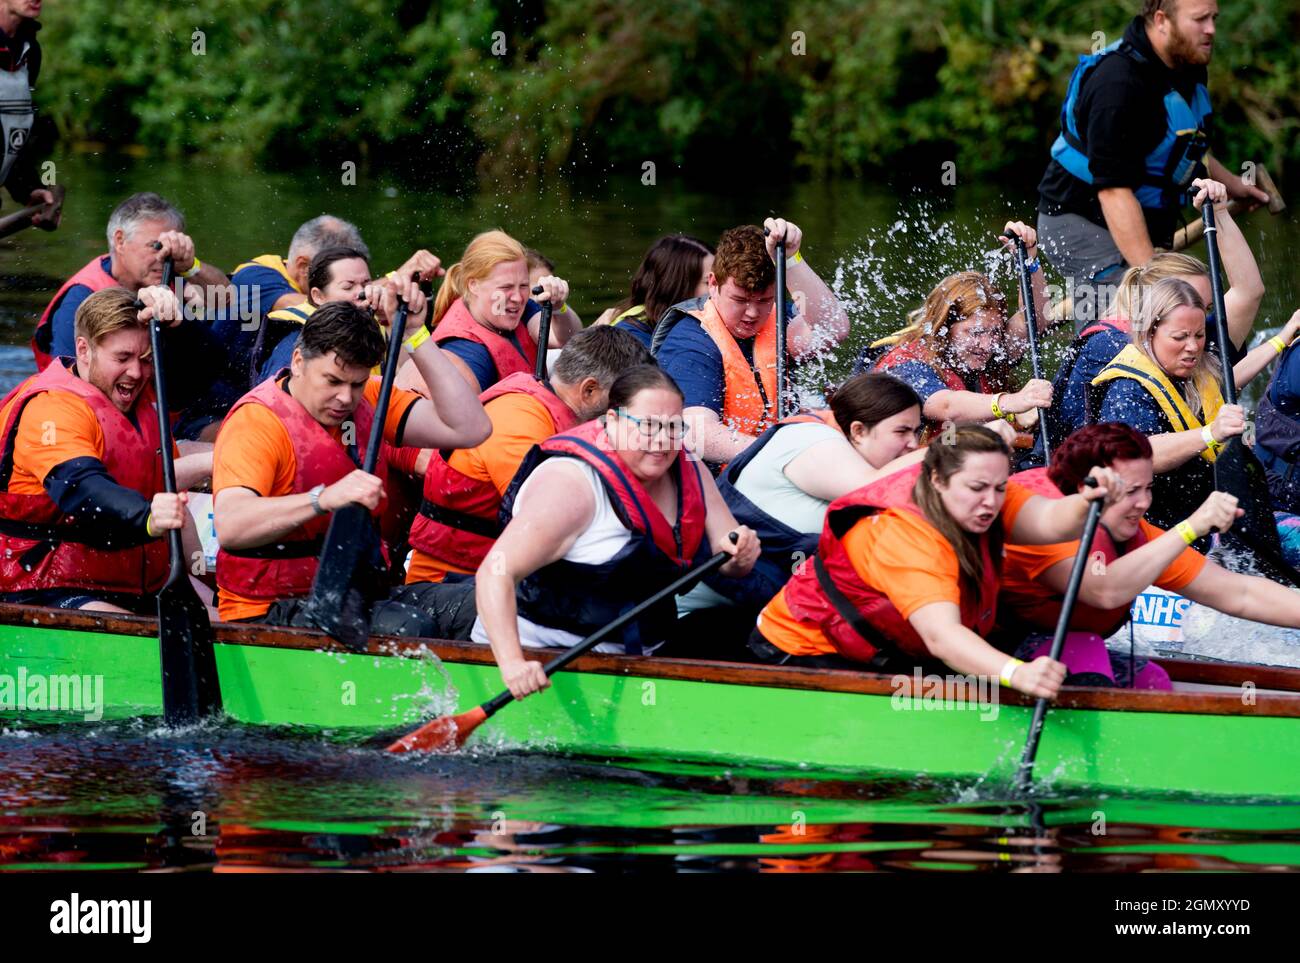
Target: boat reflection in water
(240,799)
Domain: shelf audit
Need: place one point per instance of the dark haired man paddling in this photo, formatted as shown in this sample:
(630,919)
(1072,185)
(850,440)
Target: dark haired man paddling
(289,454)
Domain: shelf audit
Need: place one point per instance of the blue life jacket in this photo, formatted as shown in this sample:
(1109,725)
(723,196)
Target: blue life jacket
(1176,160)
(581,597)
(784,548)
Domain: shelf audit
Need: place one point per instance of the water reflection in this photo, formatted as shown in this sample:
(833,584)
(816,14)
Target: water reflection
(230,800)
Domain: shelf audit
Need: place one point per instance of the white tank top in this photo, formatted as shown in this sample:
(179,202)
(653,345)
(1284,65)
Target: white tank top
(604,538)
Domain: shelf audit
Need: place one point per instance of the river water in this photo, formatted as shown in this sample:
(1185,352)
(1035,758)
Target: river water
(130,796)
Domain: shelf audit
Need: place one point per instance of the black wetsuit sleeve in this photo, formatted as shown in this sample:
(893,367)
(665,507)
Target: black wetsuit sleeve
(83,488)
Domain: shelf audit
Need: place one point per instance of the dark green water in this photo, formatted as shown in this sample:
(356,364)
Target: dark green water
(881,248)
(131,797)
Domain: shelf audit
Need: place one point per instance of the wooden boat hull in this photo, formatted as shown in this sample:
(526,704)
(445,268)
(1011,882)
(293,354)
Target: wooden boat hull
(1240,742)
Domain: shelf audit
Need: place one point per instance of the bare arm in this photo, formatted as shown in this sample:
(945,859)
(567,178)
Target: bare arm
(1245,596)
(557,506)
(1246,285)
(1128,228)
(832,468)
(193,469)
(821,321)
(1046,521)
(1176,448)
(1121,581)
(244,519)
(453,416)
(940,627)
(719,523)
(710,439)
(970,407)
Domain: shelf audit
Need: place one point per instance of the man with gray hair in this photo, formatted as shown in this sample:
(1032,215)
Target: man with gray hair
(143,231)
(271,283)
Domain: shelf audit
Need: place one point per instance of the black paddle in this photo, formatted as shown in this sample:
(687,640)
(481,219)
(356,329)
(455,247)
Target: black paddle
(339,604)
(1031,325)
(543,335)
(1025,774)
(450,732)
(1236,469)
(782,369)
(190,687)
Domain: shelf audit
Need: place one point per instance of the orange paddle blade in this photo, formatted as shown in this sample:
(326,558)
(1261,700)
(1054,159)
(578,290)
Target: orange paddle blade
(444,734)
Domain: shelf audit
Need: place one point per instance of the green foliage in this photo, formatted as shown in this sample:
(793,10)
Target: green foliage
(879,85)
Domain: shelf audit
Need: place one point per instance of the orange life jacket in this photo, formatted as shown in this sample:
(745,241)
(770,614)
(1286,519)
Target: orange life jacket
(859,619)
(458,519)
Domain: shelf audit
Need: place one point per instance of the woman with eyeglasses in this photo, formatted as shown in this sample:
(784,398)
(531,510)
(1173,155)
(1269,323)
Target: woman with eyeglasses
(782,484)
(601,518)
(960,345)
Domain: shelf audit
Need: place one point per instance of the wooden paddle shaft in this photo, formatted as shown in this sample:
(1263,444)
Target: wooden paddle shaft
(19,220)
(1186,236)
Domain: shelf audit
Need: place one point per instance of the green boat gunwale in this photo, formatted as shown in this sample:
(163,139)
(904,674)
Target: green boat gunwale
(1284,703)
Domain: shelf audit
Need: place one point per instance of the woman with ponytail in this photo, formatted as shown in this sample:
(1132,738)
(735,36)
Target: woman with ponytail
(485,318)
(907,570)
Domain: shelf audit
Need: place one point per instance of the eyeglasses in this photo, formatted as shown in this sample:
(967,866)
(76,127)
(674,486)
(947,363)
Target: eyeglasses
(674,428)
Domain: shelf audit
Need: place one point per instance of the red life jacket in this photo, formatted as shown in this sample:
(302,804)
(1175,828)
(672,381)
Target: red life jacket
(506,356)
(952,379)
(858,619)
(93,276)
(40,546)
(459,516)
(581,598)
(1048,610)
(286,568)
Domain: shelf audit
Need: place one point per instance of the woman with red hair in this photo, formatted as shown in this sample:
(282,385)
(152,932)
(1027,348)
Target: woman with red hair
(1128,554)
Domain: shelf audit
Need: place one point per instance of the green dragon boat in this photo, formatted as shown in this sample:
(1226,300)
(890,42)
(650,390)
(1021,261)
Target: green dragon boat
(1227,730)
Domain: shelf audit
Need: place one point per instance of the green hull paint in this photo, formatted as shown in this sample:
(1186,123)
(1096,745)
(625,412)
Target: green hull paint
(804,732)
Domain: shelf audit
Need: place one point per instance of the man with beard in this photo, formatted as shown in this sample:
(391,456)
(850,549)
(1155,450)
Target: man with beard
(83,514)
(1134,134)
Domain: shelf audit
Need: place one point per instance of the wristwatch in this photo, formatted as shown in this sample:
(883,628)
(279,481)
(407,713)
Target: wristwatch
(315,499)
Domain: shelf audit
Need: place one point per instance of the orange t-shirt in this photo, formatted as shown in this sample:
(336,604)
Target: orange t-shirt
(519,422)
(1039,605)
(895,552)
(253,451)
(55,427)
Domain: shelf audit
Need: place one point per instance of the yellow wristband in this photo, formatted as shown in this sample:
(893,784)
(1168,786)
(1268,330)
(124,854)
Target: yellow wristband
(997,409)
(1186,531)
(792,260)
(1009,670)
(563,308)
(1277,342)
(417,339)
(1207,437)
(148,526)
(194,269)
